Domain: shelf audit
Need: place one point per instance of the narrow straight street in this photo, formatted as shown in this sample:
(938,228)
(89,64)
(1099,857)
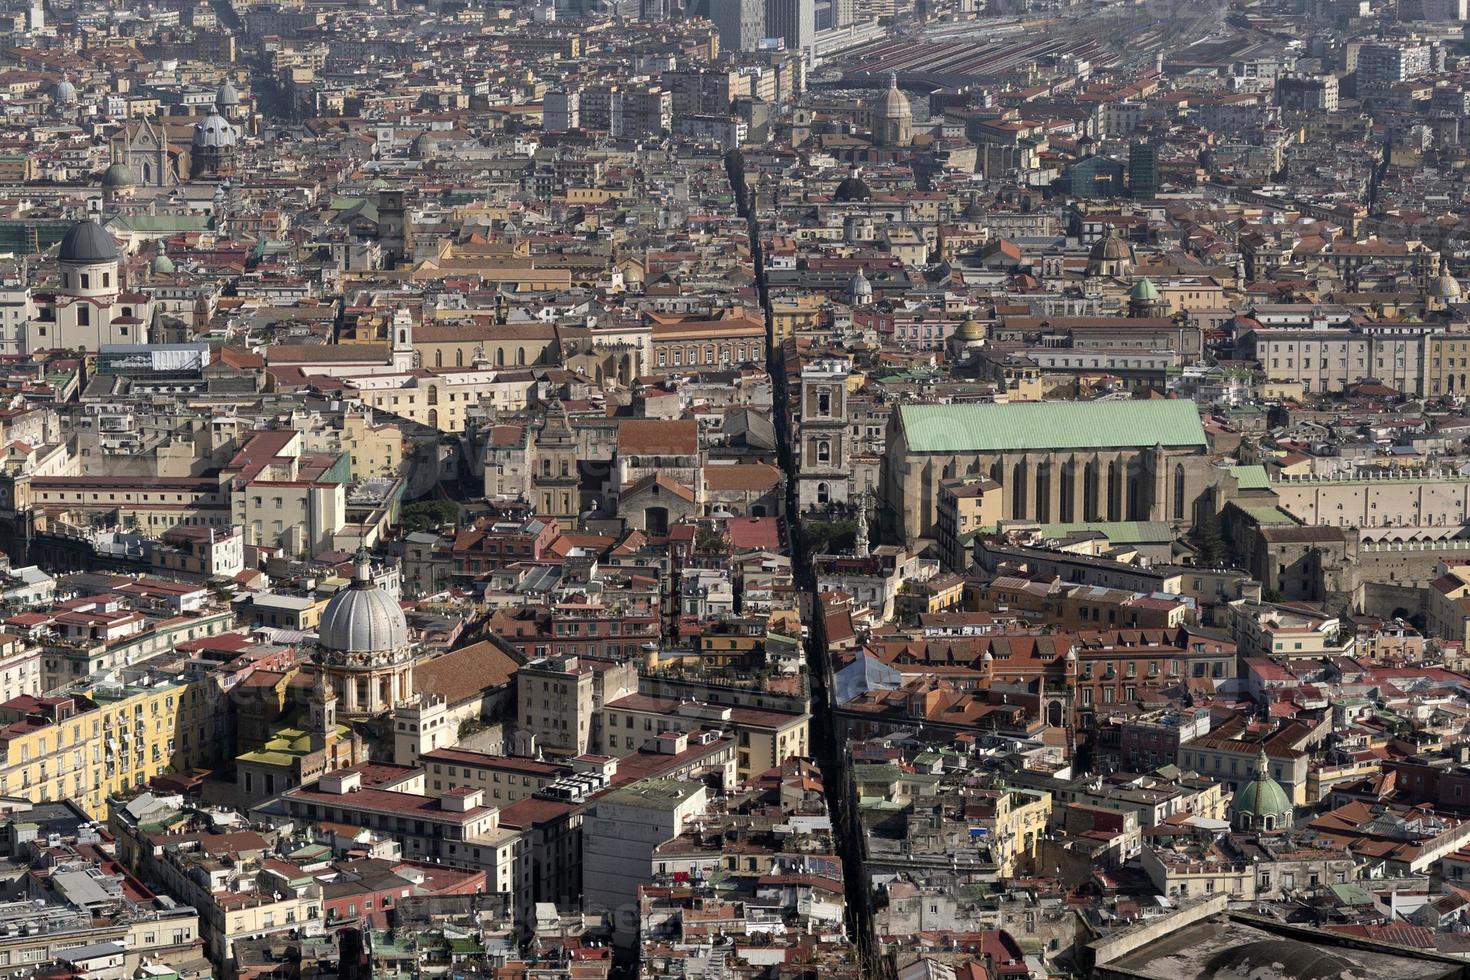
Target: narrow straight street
(826,744)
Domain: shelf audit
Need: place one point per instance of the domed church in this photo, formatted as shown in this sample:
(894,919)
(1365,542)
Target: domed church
(364,648)
(1262,804)
(213,149)
(895,126)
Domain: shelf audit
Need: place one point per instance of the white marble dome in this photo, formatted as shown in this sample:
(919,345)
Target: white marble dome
(362,618)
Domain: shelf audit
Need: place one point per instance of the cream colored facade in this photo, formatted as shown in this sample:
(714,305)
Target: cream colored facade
(153,937)
(1447,364)
(1446,607)
(153,504)
(442,400)
(297,517)
(1191,294)
(764,739)
(1182,877)
(504,780)
(375,450)
(965,506)
(20,668)
(1389,508)
(1330,360)
(1233,763)
(555,703)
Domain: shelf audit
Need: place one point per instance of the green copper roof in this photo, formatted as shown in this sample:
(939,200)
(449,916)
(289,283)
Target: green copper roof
(1026,426)
(159,224)
(1269,515)
(1251,477)
(1262,797)
(1117,532)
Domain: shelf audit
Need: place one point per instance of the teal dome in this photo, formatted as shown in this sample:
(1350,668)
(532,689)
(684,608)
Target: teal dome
(1144,291)
(161,265)
(1261,804)
(117,176)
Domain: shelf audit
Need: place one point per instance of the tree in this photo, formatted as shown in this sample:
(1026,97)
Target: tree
(710,541)
(1211,541)
(829,537)
(427,515)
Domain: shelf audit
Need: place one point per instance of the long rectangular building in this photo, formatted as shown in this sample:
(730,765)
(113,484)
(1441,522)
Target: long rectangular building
(1056,461)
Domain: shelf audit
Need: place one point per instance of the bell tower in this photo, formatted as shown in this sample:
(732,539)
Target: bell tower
(323,729)
(825,473)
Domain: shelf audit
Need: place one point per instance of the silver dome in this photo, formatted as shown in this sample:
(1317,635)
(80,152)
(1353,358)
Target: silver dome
(214,131)
(362,619)
(228,96)
(65,93)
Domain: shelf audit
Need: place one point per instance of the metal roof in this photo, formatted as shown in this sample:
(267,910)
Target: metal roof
(1251,477)
(1124,532)
(1026,426)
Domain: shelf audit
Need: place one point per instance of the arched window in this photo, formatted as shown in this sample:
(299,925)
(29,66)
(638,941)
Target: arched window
(824,451)
(1179,491)
(824,402)
(500,357)
(521,356)
(459,357)
(824,493)
(438,358)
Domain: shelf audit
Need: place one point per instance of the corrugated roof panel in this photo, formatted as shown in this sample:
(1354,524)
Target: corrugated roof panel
(1028,426)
